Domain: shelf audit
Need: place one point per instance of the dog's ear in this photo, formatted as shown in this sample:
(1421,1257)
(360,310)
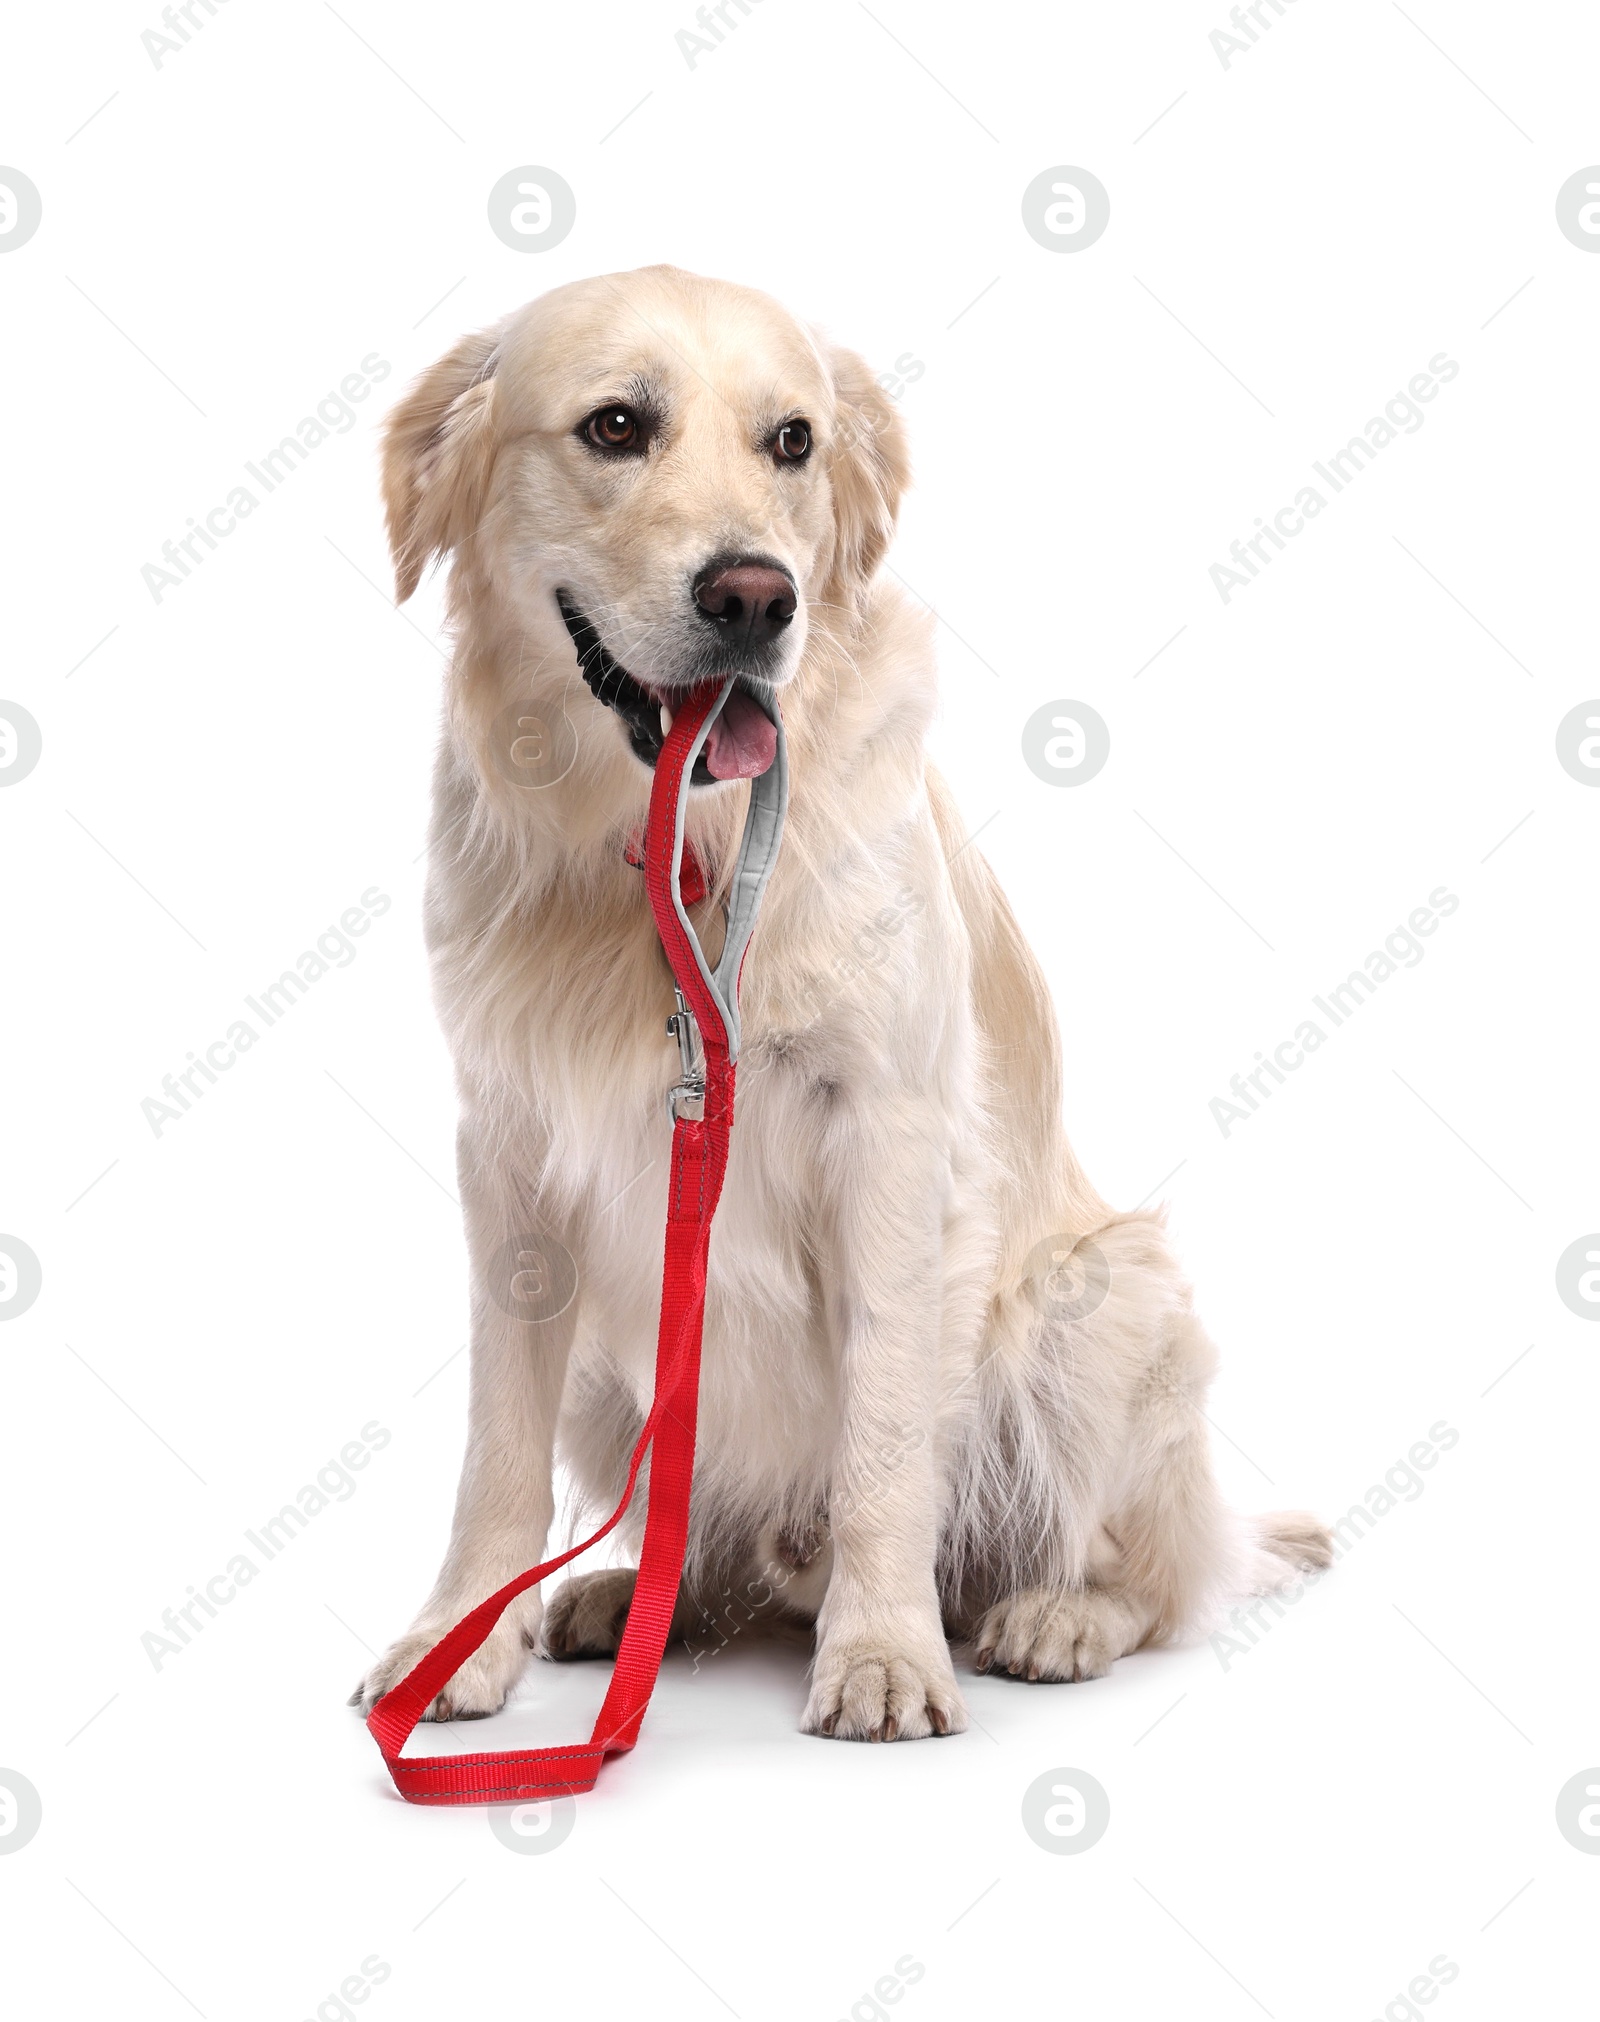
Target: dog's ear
(438,448)
(869,466)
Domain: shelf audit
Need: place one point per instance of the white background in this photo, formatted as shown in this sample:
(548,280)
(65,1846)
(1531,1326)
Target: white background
(1292,237)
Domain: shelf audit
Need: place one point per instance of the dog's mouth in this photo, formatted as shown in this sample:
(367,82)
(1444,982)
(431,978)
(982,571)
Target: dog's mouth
(742,742)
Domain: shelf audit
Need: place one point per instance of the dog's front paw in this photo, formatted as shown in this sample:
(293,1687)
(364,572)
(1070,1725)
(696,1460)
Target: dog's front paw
(871,1689)
(482,1684)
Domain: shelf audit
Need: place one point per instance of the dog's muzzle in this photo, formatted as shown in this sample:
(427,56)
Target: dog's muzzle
(742,742)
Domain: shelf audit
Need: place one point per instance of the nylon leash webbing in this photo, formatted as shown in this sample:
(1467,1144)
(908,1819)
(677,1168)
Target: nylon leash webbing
(699,1161)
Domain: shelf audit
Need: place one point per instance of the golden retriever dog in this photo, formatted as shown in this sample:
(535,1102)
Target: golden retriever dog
(949,1394)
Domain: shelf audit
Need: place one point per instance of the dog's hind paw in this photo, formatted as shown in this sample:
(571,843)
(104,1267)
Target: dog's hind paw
(586,1615)
(1057,1638)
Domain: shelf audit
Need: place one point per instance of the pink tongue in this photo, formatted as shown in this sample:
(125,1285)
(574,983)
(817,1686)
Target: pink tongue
(743,740)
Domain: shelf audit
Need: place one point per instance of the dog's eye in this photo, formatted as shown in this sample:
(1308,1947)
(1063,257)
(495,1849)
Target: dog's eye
(614,428)
(793,444)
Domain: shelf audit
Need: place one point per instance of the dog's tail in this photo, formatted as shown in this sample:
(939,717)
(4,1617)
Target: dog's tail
(1281,1547)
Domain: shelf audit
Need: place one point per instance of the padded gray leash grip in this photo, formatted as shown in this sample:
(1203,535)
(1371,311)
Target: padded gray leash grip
(758,853)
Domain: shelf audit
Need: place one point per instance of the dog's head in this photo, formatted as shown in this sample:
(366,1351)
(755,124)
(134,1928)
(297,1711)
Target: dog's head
(671,468)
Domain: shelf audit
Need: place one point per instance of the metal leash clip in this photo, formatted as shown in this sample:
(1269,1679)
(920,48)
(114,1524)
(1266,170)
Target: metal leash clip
(687,1101)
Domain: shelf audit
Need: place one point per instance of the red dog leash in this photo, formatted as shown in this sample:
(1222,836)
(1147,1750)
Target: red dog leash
(702,1111)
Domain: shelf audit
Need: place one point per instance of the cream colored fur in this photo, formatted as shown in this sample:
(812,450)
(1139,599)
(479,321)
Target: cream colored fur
(902,1436)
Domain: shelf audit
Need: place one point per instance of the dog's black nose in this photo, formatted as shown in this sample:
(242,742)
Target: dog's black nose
(750,600)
